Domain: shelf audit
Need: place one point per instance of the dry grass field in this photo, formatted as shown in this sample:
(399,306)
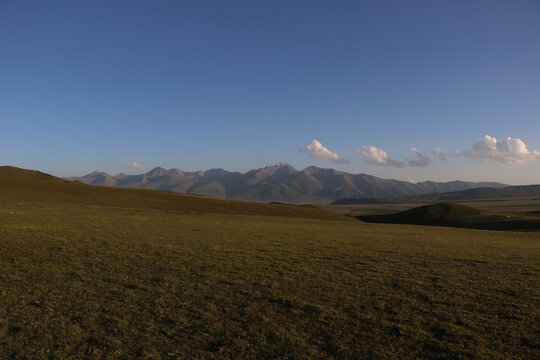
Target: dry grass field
(123,280)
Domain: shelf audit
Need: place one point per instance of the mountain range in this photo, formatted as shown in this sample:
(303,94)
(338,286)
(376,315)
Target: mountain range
(276,183)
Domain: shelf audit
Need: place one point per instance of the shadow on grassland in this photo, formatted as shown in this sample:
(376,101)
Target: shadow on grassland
(459,215)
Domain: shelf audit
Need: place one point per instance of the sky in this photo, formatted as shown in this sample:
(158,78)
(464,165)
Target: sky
(412,90)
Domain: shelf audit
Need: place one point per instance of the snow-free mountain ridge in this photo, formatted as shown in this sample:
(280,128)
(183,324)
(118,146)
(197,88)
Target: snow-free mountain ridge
(277,183)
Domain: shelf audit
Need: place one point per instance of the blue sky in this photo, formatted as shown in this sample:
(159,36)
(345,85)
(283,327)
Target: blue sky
(93,85)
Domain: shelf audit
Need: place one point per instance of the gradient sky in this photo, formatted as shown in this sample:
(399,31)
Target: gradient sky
(93,85)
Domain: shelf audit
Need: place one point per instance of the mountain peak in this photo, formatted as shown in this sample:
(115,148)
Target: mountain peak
(176,172)
(279,165)
(279,182)
(215,172)
(157,171)
(281,169)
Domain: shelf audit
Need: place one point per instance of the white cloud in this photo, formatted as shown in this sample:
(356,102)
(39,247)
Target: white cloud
(134,165)
(509,151)
(318,151)
(374,155)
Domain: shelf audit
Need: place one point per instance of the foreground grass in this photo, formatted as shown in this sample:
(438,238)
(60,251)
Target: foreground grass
(104,283)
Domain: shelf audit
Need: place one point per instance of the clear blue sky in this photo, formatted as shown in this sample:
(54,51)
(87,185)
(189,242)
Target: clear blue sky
(92,85)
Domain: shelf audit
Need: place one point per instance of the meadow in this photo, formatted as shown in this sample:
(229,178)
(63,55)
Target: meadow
(99,282)
(91,272)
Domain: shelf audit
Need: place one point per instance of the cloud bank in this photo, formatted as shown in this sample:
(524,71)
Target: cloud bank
(318,151)
(134,165)
(376,156)
(510,151)
(488,150)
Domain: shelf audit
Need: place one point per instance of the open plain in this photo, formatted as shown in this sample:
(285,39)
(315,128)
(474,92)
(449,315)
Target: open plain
(83,280)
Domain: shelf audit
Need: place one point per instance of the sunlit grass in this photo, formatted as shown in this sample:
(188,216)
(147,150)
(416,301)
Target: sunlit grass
(97,282)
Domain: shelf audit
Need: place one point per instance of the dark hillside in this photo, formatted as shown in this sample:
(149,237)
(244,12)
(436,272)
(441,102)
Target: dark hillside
(458,215)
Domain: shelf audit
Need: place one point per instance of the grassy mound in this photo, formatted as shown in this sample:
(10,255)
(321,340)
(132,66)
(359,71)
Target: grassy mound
(440,212)
(19,185)
(458,215)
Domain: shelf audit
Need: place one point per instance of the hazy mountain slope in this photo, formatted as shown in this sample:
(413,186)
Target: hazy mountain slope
(482,193)
(486,193)
(277,183)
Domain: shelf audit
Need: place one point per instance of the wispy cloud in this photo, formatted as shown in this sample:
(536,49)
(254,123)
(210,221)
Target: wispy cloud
(318,151)
(420,159)
(134,165)
(440,153)
(374,155)
(510,151)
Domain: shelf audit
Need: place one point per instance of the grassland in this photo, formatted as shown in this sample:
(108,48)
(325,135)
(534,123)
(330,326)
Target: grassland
(112,282)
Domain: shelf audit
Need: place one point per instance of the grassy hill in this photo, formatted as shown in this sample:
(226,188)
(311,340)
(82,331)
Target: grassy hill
(91,272)
(459,215)
(33,186)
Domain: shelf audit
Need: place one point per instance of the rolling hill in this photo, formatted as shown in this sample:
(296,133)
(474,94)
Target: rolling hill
(20,185)
(458,215)
(277,183)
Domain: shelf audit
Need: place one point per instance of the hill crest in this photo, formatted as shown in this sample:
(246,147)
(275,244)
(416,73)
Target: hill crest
(458,215)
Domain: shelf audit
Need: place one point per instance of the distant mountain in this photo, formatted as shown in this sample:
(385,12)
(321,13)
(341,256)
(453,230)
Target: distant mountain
(277,183)
(482,193)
